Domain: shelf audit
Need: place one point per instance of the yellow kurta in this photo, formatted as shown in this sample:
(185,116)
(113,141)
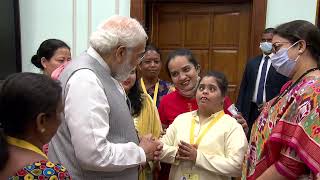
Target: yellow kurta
(148,122)
(220,152)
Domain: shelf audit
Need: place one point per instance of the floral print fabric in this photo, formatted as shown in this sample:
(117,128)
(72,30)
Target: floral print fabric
(42,170)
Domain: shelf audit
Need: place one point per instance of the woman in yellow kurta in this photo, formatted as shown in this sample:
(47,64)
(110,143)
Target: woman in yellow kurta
(144,113)
(205,144)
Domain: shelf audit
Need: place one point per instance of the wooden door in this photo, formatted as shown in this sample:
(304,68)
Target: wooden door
(218,35)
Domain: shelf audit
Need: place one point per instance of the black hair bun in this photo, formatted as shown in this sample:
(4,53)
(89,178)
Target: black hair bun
(36,61)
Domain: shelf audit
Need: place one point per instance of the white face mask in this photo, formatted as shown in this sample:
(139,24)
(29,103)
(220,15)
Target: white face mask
(282,63)
(266,47)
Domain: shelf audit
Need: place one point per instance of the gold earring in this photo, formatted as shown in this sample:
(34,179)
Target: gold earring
(42,130)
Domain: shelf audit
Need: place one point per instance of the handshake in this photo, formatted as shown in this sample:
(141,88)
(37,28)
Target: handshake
(151,146)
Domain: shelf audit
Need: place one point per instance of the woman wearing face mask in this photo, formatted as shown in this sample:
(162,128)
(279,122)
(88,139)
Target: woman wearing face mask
(285,139)
(260,82)
(207,143)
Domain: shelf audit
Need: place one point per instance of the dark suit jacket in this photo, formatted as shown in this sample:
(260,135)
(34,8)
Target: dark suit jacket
(274,83)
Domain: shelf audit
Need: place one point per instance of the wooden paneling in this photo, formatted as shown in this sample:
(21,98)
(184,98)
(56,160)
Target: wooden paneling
(216,34)
(258,23)
(137,10)
(169,30)
(244,43)
(197,30)
(164,56)
(203,58)
(257,11)
(226,61)
(201,1)
(226,29)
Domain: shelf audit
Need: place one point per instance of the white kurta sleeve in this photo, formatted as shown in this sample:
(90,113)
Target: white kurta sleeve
(87,116)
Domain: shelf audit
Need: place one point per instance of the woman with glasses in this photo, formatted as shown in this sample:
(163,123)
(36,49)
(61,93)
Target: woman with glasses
(285,139)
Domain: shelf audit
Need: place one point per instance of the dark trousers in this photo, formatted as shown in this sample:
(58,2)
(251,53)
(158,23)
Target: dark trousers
(254,113)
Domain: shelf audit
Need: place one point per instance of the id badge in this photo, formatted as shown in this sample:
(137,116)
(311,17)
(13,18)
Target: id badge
(190,176)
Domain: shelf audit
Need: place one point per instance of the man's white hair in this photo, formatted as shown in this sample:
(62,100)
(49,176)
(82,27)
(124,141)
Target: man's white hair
(116,31)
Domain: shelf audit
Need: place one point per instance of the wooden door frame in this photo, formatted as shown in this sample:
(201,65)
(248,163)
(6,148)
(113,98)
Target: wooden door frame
(258,17)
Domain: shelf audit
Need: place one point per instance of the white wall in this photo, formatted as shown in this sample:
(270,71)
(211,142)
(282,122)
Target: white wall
(69,20)
(38,22)
(281,11)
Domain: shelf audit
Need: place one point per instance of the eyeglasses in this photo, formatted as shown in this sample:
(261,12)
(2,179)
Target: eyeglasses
(141,57)
(277,45)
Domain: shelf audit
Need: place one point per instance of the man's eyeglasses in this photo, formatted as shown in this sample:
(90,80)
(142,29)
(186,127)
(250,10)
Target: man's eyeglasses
(141,57)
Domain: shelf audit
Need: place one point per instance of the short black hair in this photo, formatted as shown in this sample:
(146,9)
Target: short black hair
(23,96)
(221,80)
(151,47)
(268,30)
(182,52)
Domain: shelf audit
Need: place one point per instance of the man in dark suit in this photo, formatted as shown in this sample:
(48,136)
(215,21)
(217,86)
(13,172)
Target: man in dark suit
(260,82)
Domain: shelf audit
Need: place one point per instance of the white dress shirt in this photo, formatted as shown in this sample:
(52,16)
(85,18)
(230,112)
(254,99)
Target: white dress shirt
(87,116)
(255,92)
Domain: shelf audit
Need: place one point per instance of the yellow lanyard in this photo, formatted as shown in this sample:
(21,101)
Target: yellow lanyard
(25,145)
(213,121)
(155,94)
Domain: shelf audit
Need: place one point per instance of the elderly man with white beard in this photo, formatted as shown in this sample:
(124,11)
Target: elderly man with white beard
(97,138)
